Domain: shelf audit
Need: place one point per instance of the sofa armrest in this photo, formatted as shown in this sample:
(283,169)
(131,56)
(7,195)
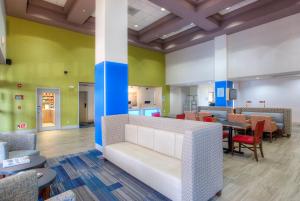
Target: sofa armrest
(202,163)
(21,186)
(113,129)
(19,141)
(66,196)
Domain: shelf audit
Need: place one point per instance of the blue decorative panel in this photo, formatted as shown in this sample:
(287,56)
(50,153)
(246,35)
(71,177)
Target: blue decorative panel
(116,88)
(111,92)
(220,93)
(99,101)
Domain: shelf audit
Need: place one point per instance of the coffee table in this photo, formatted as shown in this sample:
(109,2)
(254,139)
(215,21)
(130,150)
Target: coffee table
(35,162)
(45,181)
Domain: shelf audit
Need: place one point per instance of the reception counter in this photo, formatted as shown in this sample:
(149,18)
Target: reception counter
(146,111)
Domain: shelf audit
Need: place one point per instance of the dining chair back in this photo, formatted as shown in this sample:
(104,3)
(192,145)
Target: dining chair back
(269,127)
(191,116)
(209,119)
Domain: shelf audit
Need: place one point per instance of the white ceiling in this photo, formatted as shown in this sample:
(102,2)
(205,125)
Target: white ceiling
(147,14)
(237,6)
(57,2)
(179,31)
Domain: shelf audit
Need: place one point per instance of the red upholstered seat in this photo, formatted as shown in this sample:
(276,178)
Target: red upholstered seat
(225,134)
(244,139)
(156,114)
(180,116)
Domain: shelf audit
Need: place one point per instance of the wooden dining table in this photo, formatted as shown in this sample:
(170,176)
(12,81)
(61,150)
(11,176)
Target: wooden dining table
(231,126)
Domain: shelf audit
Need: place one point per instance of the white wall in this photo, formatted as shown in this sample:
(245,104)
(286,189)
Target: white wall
(280,92)
(267,49)
(176,100)
(2,31)
(191,65)
(91,105)
(203,92)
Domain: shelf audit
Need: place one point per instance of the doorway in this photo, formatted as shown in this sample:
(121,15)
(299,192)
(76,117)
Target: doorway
(83,106)
(48,109)
(86,105)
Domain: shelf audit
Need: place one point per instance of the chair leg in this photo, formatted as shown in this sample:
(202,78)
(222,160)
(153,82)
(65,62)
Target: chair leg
(240,146)
(271,137)
(255,152)
(232,148)
(219,193)
(261,150)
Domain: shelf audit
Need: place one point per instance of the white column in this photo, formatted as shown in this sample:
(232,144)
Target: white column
(221,62)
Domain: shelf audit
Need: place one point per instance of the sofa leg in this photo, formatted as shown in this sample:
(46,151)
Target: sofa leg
(219,193)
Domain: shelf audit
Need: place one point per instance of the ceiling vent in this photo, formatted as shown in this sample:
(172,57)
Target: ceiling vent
(132,11)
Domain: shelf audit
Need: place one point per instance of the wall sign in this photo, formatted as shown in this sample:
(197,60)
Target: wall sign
(220,92)
(22,125)
(19,97)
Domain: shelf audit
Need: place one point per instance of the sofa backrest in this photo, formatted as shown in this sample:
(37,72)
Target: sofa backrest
(277,117)
(166,124)
(165,142)
(219,114)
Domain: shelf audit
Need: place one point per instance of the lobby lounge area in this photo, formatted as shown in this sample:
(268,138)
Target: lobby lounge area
(147,100)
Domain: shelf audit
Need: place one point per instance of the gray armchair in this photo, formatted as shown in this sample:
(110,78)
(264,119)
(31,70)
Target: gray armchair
(17,145)
(24,187)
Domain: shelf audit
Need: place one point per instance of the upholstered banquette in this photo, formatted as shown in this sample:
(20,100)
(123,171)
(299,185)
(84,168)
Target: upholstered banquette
(183,160)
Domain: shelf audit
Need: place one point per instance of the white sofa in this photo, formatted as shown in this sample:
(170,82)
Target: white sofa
(181,159)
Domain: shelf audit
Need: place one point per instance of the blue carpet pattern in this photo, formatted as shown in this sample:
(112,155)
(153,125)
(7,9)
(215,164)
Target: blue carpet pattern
(93,179)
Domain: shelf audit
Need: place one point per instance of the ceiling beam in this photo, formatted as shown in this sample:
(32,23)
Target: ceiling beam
(188,14)
(48,6)
(270,12)
(186,11)
(162,28)
(16,8)
(81,11)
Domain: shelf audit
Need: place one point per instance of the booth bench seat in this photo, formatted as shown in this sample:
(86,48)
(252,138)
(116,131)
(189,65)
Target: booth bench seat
(183,160)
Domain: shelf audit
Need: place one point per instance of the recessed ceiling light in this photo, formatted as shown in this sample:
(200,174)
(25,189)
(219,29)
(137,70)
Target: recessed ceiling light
(163,9)
(257,78)
(228,8)
(136,25)
(83,10)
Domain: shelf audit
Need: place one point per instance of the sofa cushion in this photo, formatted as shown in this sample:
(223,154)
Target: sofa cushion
(277,117)
(164,142)
(146,137)
(163,172)
(21,153)
(131,133)
(178,145)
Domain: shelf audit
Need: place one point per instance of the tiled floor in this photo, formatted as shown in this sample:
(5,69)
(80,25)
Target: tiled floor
(276,177)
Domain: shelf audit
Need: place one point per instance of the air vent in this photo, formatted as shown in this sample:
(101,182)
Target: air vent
(132,11)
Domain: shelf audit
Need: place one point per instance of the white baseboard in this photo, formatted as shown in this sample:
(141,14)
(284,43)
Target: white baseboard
(69,127)
(25,131)
(98,147)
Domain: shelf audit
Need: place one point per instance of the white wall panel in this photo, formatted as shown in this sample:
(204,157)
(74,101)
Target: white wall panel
(267,49)
(191,65)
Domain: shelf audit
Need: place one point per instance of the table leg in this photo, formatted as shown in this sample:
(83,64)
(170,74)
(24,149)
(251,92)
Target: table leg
(230,143)
(46,193)
(2,176)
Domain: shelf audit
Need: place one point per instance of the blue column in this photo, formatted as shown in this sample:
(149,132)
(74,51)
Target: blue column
(111,93)
(221,95)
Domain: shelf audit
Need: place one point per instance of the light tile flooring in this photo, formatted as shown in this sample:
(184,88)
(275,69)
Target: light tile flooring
(274,178)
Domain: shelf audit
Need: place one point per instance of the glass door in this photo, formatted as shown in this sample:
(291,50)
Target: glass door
(48,109)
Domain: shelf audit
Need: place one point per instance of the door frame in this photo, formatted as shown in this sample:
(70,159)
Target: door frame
(88,99)
(57,110)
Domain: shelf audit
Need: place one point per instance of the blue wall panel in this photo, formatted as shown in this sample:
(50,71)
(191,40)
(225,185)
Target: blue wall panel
(111,79)
(99,101)
(116,88)
(220,93)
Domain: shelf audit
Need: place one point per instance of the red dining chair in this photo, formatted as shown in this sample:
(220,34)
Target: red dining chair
(209,119)
(251,142)
(180,116)
(156,114)
(213,119)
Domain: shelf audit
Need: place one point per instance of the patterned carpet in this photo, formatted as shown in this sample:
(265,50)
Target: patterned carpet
(93,179)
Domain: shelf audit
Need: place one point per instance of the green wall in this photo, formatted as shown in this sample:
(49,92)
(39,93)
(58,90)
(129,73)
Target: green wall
(41,53)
